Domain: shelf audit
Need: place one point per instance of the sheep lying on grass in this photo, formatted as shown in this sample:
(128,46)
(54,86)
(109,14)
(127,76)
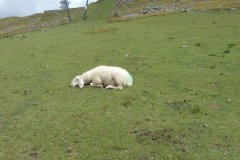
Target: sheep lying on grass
(108,77)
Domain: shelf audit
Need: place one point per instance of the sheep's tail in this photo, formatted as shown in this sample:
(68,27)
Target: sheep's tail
(130,80)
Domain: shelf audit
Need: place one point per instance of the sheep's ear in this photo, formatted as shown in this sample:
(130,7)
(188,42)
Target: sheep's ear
(81,86)
(81,83)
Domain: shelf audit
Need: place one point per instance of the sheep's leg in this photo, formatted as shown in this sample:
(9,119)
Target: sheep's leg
(114,87)
(96,85)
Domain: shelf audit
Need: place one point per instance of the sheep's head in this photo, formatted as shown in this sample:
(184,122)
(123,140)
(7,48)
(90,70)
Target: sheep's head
(77,81)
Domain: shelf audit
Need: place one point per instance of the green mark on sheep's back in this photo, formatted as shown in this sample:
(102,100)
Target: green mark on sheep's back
(130,79)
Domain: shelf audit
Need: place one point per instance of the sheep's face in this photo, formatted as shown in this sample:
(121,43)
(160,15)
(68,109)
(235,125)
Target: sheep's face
(77,81)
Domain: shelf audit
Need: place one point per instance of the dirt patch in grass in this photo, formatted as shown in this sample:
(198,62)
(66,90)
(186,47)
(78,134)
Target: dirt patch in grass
(212,66)
(177,104)
(33,153)
(169,135)
(128,102)
(81,118)
(195,109)
(214,106)
(146,157)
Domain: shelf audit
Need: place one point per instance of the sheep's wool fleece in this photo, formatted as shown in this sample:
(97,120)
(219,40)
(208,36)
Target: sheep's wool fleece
(105,71)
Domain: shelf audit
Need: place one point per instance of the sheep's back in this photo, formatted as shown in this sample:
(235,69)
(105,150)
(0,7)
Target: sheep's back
(111,76)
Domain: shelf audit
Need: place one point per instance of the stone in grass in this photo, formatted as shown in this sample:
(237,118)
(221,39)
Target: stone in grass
(69,150)
(184,46)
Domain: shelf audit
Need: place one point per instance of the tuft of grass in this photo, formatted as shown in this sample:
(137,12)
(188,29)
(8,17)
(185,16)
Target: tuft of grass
(231,45)
(198,44)
(212,55)
(196,109)
(102,30)
(226,51)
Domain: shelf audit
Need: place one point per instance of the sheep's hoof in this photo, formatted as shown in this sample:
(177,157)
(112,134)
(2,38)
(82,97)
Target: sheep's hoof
(114,87)
(95,85)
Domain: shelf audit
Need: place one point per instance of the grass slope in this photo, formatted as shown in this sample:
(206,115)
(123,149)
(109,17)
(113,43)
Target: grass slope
(184,103)
(17,25)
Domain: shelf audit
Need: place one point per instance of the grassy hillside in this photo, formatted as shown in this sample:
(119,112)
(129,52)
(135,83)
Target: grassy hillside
(17,25)
(102,10)
(12,26)
(132,7)
(184,103)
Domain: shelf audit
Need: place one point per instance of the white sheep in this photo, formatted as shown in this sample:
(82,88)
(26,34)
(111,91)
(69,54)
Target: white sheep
(108,77)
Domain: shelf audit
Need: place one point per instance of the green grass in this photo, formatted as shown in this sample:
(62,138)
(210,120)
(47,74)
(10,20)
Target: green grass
(184,103)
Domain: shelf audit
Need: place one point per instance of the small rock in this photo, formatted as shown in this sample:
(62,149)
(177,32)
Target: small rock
(69,150)
(205,125)
(187,9)
(156,8)
(144,11)
(117,14)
